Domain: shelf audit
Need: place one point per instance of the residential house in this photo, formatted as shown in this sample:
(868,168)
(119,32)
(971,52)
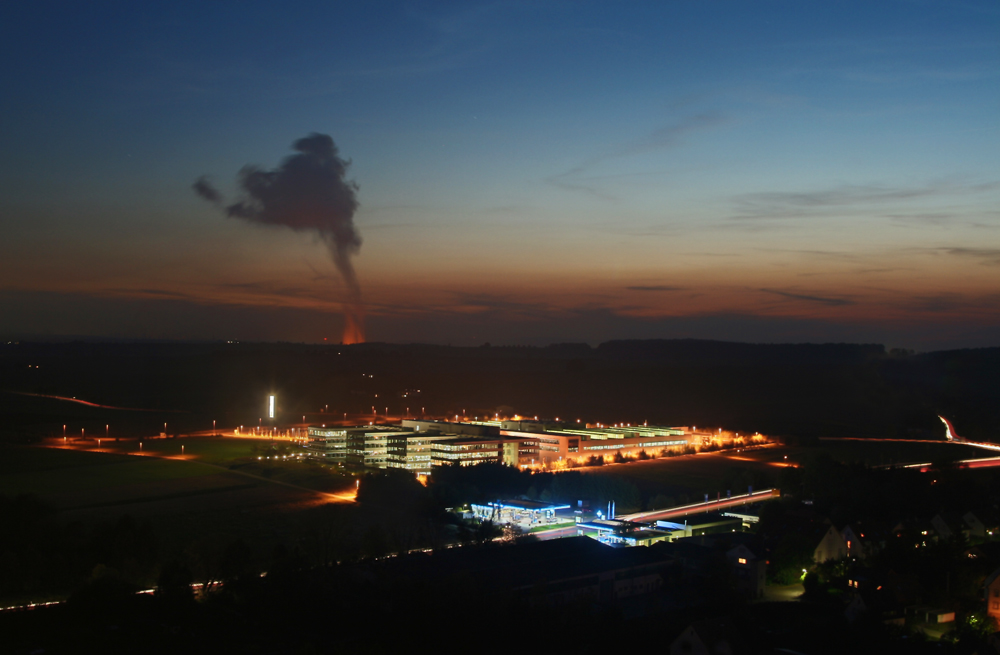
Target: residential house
(749,570)
(709,637)
(831,547)
(992,587)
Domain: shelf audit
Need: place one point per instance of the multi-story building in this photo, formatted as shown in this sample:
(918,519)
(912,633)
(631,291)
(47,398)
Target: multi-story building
(328,443)
(420,444)
(412,450)
(558,443)
(548,442)
(467,452)
(360,446)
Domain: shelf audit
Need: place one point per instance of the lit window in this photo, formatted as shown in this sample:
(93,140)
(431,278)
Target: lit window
(743,560)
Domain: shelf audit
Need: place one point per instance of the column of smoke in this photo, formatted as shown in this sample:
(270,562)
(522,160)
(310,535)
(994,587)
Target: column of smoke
(308,192)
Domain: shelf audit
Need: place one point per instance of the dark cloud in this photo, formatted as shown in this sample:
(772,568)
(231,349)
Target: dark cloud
(308,192)
(832,302)
(990,256)
(205,189)
(502,304)
(653,287)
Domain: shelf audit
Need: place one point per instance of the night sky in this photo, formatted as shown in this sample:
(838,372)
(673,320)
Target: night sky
(527,173)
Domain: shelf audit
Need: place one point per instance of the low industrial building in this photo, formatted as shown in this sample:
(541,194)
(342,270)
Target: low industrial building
(615,532)
(525,514)
(697,525)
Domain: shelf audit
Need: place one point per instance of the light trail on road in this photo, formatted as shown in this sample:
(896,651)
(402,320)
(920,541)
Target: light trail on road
(951,436)
(701,508)
(90,404)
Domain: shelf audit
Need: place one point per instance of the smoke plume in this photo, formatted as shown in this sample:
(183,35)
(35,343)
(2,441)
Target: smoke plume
(308,192)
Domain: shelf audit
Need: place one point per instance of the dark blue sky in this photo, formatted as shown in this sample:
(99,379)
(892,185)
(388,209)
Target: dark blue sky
(527,171)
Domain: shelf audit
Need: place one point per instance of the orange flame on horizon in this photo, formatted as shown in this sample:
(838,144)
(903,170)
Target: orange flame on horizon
(354,329)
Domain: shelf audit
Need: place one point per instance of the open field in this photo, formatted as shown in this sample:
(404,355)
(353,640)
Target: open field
(181,497)
(232,454)
(45,471)
(211,450)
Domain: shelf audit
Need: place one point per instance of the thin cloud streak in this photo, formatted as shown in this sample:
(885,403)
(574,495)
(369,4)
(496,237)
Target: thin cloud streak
(988,256)
(854,198)
(665,138)
(831,302)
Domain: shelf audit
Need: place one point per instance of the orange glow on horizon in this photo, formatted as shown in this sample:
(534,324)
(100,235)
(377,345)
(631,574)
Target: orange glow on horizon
(354,331)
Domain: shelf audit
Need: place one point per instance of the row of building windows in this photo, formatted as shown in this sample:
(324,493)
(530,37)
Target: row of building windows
(648,444)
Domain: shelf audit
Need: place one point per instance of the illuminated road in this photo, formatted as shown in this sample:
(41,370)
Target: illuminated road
(559,533)
(700,508)
(90,404)
(985,462)
(951,436)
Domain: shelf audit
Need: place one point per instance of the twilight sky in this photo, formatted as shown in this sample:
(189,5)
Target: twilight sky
(528,172)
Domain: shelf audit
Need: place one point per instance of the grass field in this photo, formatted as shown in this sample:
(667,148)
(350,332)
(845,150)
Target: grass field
(233,454)
(211,450)
(45,471)
(216,488)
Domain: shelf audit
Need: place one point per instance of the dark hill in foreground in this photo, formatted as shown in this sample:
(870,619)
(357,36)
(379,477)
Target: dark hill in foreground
(802,390)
